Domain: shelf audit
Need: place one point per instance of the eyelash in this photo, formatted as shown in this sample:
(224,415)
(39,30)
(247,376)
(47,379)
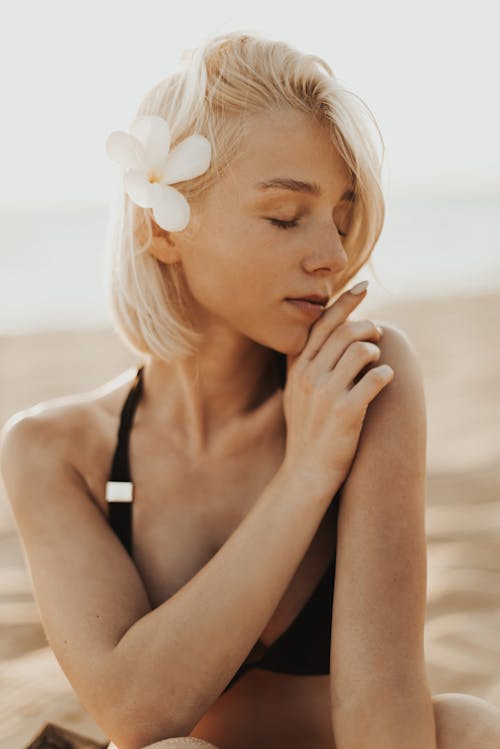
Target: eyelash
(291,224)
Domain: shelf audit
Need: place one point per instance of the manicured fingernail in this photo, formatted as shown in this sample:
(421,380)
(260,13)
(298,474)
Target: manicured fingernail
(359,288)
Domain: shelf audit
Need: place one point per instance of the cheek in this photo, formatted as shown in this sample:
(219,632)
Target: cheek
(244,262)
(223,280)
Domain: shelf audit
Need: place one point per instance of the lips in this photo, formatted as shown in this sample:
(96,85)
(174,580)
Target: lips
(314,298)
(312,310)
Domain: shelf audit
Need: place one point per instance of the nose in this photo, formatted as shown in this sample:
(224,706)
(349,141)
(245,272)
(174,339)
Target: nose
(327,253)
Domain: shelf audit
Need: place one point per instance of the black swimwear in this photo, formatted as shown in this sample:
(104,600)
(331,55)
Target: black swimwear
(304,647)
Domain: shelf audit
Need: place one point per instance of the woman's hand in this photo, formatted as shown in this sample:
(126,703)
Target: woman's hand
(329,387)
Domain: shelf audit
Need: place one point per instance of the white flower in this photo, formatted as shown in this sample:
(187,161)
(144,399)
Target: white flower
(150,168)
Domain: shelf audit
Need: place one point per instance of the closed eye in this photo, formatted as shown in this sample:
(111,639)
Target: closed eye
(291,224)
(283,224)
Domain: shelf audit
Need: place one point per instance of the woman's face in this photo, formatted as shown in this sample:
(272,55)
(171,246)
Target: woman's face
(240,265)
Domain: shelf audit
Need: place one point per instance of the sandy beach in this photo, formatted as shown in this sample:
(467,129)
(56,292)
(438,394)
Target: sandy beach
(456,338)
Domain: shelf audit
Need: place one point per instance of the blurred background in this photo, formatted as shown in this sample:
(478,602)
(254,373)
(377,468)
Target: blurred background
(71,73)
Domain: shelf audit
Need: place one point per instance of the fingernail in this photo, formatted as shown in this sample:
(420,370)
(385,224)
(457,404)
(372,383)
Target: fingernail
(359,288)
(379,329)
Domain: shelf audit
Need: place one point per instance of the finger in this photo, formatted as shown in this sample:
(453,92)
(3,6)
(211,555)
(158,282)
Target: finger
(332,318)
(337,343)
(371,384)
(357,356)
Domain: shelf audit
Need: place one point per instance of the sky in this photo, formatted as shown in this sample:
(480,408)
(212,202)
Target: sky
(73,72)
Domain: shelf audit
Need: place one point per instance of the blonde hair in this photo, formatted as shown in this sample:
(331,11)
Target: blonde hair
(221,83)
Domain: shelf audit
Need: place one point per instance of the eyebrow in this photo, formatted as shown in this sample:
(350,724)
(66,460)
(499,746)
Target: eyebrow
(287,183)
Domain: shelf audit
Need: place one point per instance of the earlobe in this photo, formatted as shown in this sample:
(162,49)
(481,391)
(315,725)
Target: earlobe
(162,246)
(164,249)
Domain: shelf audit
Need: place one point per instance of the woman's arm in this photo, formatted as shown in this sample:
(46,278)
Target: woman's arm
(379,691)
(145,674)
(180,656)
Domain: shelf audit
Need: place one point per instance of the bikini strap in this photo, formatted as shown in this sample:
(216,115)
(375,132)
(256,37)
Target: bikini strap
(120,469)
(119,487)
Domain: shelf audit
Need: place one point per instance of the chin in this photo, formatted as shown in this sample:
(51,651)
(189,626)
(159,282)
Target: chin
(293,348)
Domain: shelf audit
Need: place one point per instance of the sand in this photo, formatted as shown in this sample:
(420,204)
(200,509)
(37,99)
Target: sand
(456,339)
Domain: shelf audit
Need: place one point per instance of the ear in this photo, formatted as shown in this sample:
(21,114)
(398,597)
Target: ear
(164,248)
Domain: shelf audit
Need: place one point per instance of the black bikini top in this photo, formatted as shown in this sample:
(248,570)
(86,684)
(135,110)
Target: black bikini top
(304,647)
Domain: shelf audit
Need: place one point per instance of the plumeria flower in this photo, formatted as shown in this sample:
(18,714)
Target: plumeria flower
(150,169)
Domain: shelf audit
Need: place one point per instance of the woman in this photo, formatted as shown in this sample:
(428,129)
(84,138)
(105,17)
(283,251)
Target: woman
(271,589)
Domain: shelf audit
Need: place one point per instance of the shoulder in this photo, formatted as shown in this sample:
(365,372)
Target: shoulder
(398,350)
(39,440)
(46,425)
(394,435)
(60,430)
(396,345)
(401,402)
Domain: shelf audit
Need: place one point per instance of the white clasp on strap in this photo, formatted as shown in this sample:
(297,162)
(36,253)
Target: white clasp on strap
(119,491)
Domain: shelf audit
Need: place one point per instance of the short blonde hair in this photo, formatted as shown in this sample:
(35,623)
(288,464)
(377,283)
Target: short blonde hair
(222,82)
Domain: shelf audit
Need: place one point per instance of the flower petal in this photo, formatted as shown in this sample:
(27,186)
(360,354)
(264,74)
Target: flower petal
(140,189)
(154,134)
(189,158)
(170,209)
(125,150)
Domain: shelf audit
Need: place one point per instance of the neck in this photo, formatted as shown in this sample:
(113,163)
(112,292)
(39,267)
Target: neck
(216,400)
